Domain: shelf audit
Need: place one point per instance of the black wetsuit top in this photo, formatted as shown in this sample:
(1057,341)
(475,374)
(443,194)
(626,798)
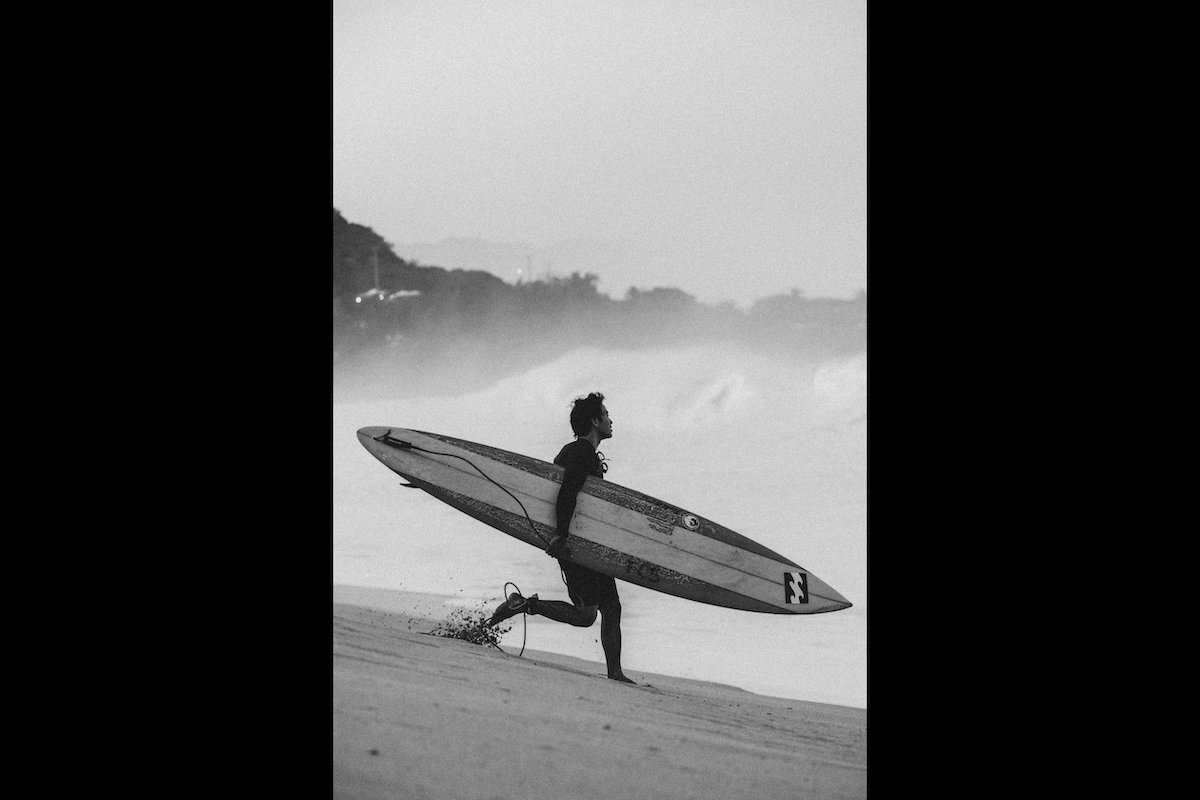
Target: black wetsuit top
(585,586)
(580,460)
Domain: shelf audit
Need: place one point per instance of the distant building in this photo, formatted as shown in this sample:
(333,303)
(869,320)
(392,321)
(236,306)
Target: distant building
(386,296)
(369,294)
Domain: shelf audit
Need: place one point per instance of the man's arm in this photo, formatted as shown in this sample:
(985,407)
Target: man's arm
(564,508)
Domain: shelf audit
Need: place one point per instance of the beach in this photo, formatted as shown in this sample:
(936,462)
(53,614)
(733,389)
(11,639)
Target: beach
(420,716)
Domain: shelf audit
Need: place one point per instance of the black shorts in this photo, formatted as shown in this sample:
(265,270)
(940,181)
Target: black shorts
(587,587)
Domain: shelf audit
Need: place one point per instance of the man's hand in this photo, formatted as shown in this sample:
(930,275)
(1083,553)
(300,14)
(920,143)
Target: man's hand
(557,547)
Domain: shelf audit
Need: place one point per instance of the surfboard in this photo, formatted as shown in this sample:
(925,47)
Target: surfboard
(616,531)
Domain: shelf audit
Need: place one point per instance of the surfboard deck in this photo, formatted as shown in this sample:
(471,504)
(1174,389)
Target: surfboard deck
(616,530)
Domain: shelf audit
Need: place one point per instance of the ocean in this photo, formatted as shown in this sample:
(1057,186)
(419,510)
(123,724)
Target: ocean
(771,445)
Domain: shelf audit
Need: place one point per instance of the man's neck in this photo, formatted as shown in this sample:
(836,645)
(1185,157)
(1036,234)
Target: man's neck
(592,438)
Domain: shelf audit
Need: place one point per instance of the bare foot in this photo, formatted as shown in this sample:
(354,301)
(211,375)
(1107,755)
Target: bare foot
(620,676)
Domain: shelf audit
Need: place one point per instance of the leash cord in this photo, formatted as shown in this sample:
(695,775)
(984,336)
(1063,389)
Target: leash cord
(524,623)
(410,446)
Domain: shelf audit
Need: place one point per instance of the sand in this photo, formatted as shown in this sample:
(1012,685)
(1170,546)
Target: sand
(418,716)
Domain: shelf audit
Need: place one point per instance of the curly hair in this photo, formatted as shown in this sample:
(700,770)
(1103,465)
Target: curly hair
(584,410)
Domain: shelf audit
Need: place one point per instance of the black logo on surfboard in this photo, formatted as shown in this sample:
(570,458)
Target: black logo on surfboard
(795,587)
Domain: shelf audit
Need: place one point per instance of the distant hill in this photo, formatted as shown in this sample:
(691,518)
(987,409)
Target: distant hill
(462,253)
(395,309)
(358,252)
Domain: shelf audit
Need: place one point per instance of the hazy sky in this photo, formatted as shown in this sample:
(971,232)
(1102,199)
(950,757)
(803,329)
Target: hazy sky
(724,142)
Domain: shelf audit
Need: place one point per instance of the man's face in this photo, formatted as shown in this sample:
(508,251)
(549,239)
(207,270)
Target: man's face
(604,424)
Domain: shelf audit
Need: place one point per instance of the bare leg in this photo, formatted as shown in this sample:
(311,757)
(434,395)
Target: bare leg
(610,640)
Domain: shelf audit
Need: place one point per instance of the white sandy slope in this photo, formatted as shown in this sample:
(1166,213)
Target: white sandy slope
(418,716)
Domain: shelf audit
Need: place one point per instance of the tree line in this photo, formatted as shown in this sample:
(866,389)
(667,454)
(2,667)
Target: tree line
(381,300)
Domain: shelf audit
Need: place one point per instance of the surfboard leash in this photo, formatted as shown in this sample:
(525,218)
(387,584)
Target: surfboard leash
(403,445)
(524,622)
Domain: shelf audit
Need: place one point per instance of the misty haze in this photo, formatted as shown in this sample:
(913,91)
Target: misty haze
(401,327)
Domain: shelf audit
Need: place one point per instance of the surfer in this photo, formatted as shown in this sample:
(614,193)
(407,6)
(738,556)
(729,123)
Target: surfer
(590,592)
